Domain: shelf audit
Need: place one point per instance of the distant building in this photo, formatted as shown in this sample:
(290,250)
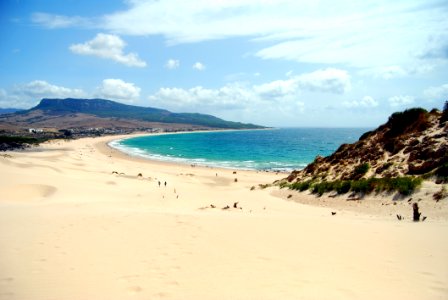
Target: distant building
(35,130)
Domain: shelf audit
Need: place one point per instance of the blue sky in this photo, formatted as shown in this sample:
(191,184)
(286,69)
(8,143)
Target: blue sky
(276,63)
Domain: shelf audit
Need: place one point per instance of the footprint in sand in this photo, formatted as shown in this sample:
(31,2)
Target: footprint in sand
(134,289)
(7,280)
(173,283)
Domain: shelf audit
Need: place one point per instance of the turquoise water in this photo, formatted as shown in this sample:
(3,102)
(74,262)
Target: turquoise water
(282,149)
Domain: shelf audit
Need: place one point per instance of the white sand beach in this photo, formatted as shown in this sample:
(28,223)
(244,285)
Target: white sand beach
(77,222)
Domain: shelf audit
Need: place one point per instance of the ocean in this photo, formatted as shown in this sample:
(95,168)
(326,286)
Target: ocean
(282,149)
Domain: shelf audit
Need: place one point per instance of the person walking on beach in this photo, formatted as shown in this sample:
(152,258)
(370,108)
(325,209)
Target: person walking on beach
(165,183)
(159,183)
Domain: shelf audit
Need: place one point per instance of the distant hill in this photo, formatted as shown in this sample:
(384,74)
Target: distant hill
(9,110)
(411,143)
(62,113)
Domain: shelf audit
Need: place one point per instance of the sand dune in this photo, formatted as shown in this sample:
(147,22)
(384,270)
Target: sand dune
(78,222)
(27,192)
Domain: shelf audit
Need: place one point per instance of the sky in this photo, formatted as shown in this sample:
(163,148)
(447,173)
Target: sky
(285,63)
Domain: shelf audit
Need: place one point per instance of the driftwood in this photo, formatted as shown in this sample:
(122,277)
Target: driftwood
(416,213)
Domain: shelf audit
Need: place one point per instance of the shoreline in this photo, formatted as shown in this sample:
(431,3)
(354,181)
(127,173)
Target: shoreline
(71,228)
(187,161)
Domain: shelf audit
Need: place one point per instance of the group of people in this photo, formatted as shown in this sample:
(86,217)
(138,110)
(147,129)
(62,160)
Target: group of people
(165,183)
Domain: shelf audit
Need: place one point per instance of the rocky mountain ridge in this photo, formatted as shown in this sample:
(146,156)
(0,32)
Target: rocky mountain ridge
(62,113)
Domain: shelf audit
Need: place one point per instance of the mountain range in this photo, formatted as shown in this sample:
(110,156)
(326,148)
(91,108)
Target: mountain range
(9,110)
(70,112)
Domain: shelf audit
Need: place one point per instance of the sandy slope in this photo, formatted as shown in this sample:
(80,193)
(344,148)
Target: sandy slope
(70,229)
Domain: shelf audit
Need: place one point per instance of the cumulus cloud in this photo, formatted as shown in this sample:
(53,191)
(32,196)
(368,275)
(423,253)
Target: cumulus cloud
(237,101)
(280,93)
(108,46)
(117,89)
(199,66)
(231,96)
(29,94)
(437,93)
(396,101)
(277,88)
(327,80)
(172,64)
(364,102)
(41,88)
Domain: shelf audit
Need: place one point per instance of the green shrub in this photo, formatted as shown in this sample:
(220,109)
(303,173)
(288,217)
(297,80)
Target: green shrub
(400,122)
(19,139)
(387,165)
(404,185)
(362,186)
(321,188)
(343,186)
(283,185)
(365,135)
(305,185)
(444,117)
(362,169)
(301,186)
(442,172)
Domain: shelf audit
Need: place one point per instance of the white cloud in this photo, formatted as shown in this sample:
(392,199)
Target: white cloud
(29,94)
(400,100)
(330,32)
(437,93)
(279,93)
(59,21)
(327,80)
(108,46)
(172,64)
(235,101)
(277,88)
(199,66)
(231,96)
(365,102)
(41,88)
(117,89)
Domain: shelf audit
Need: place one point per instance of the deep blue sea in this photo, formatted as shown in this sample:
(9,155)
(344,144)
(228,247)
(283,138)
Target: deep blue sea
(281,149)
